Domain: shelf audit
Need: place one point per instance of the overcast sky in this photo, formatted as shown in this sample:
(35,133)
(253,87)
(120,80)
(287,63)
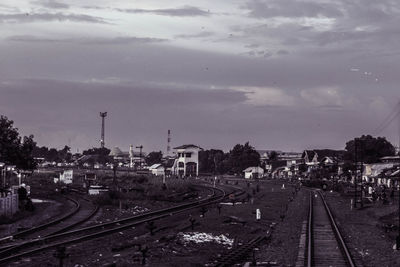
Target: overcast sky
(282,74)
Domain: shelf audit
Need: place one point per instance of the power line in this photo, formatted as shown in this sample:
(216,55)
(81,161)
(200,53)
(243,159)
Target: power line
(389,119)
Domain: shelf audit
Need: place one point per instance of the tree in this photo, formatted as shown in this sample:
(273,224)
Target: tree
(26,160)
(12,150)
(153,158)
(369,149)
(100,155)
(52,155)
(273,155)
(242,157)
(65,154)
(210,161)
(97,151)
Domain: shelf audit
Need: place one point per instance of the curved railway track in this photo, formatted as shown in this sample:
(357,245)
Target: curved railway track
(325,244)
(82,212)
(87,233)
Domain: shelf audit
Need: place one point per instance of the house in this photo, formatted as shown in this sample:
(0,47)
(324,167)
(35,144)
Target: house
(157,169)
(187,161)
(253,172)
(66,177)
(391,159)
(310,157)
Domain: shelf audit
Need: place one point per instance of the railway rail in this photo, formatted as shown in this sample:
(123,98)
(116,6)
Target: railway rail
(91,232)
(82,212)
(240,253)
(325,244)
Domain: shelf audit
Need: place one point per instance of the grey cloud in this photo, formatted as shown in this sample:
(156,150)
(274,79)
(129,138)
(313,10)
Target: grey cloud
(290,8)
(195,35)
(35,39)
(32,17)
(252,46)
(9,8)
(186,11)
(282,52)
(86,41)
(122,40)
(51,4)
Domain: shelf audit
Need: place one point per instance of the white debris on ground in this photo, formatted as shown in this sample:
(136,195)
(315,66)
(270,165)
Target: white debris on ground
(230,203)
(135,210)
(196,237)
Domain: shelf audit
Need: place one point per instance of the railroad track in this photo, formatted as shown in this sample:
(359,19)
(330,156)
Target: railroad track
(325,244)
(240,253)
(87,233)
(82,212)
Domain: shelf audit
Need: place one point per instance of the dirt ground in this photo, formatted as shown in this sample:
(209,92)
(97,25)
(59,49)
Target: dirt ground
(46,211)
(175,243)
(363,229)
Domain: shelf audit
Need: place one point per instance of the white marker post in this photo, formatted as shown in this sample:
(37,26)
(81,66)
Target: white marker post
(258,214)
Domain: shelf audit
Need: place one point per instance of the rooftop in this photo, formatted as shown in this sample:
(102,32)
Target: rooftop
(187,146)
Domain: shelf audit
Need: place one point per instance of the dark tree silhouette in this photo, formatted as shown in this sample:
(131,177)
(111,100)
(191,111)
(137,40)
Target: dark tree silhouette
(153,158)
(12,150)
(369,149)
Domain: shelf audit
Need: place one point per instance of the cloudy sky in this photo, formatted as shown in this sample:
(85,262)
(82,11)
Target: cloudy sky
(282,74)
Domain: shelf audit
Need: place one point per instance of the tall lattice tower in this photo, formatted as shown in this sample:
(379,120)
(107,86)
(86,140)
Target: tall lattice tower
(169,143)
(103,115)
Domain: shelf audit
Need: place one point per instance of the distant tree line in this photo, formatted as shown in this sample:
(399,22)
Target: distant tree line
(14,149)
(235,161)
(52,154)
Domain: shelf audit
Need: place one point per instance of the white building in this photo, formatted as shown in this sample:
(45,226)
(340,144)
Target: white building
(157,169)
(187,162)
(97,190)
(253,172)
(66,177)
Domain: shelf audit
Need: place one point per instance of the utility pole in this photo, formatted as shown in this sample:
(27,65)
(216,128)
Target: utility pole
(398,236)
(398,114)
(61,255)
(140,156)
(356,174)
(102,141)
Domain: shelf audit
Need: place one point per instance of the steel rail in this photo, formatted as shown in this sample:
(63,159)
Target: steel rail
(310,232)
(338,235)
(240,252)
(7,248)
(53,222)
(140,219)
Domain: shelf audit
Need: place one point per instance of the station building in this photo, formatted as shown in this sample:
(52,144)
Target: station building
(187,161)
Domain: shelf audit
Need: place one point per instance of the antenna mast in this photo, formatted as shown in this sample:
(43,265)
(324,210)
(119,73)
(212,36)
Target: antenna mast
(169,142)
(102,140)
